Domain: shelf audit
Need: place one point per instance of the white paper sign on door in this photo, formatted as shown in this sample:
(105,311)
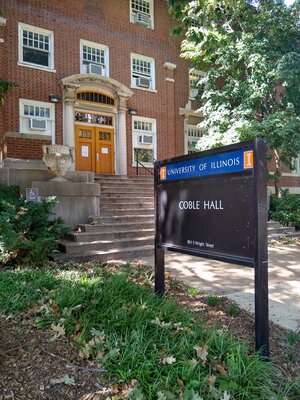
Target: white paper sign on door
(84,151)
(104,150)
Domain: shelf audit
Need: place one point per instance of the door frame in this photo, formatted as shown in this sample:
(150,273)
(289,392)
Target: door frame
(95,143)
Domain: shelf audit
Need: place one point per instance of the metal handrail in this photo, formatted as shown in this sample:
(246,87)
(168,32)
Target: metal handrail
(137,151)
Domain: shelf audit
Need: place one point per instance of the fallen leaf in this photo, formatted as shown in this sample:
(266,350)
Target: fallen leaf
(202,353)
(219,368)
(169,360)
(211,381)
(226,396)
(59,331)
(66,379)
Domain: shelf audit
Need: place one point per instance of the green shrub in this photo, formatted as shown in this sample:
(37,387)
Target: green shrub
(28,233)
(285,209)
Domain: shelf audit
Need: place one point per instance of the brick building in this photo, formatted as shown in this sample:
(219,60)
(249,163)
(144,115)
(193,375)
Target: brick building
(103,76)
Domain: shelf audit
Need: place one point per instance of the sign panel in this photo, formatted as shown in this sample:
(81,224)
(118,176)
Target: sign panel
(84,151)
(207,205)
(209,218)
(32,194)
(227,162)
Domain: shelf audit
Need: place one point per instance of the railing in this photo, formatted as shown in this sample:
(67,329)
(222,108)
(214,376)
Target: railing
(141,155)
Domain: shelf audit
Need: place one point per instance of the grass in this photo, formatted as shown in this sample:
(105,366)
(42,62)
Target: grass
(117,321)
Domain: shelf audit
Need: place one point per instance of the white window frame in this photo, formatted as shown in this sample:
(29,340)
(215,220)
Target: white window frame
(96,46)
(40,31)
(133,11)
(138,132)
(25,119)
(151,75)
(193,135)
(193,90)
(296,163)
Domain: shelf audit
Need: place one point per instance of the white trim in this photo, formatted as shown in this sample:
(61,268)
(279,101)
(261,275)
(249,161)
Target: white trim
(97,46)
(3,21)
(135,138)
(170,80)
(170,65)
(24,120)
(50,34)
(151,15)
(152,71)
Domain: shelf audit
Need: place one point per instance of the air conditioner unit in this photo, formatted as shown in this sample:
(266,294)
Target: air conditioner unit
(94,69)
(193,92)
(38,124)
(142,19)
(143,82)
(145,139)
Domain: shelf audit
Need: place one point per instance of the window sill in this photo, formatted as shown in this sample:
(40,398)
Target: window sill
(34,136)
(144,89)
(22,64)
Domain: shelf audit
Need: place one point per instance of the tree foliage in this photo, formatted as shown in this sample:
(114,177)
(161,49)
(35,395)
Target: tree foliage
(249,52)
(4,88)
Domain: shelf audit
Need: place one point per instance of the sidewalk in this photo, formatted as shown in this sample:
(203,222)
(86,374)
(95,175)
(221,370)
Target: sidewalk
(237,282)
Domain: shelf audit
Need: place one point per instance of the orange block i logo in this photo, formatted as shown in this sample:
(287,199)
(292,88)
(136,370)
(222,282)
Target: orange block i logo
(163,173)
(248,159)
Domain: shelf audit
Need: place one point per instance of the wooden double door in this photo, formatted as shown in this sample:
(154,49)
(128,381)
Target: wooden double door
(94,149)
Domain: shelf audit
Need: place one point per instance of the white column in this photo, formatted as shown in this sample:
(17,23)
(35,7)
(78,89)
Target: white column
(69,132)
(122,140)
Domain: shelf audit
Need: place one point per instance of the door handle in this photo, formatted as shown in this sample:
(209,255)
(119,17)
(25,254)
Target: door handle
(97,157)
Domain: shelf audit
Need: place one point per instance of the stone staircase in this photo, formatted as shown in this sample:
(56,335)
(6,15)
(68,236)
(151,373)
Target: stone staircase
(125,227)
(277,231)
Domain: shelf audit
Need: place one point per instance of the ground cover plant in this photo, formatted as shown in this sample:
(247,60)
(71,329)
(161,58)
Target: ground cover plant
(28,231)
(286,209)
(150,347)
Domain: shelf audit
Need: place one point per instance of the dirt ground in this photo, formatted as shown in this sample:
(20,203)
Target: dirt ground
(31,366)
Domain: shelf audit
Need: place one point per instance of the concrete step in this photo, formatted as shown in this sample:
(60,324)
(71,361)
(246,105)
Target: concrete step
(124,178)
(130,253)
(122,226)
(126,195)
(121,205)
(284,230)
(65,246)
(109,235)
(119,219)
(126,190)
(130,185)
(136,211)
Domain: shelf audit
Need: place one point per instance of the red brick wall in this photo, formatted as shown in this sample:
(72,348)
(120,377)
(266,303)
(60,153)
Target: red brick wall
(28,148)
(105,22)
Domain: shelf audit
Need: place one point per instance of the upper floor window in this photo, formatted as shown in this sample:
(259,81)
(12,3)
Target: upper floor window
(37,117)
(94,58)
(193,135)
(144,140)
(194,77)
(141,12)
(36,47)
(142,72)
(296,163)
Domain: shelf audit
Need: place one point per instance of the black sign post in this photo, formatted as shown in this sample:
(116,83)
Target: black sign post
(213,204)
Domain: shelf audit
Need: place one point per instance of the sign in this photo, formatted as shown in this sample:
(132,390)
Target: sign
(32,194)
(84,151)
(235,161)
(213,204)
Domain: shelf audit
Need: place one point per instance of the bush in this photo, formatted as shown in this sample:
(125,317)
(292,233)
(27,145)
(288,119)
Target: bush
(27,233)
(286,209)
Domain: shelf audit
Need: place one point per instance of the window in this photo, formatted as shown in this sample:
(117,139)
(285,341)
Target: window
(194,77)
(142,72)
(36,47)
(141,12)
(37,117)
(193,135)
(296,163)
(144,140)
(94,58)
